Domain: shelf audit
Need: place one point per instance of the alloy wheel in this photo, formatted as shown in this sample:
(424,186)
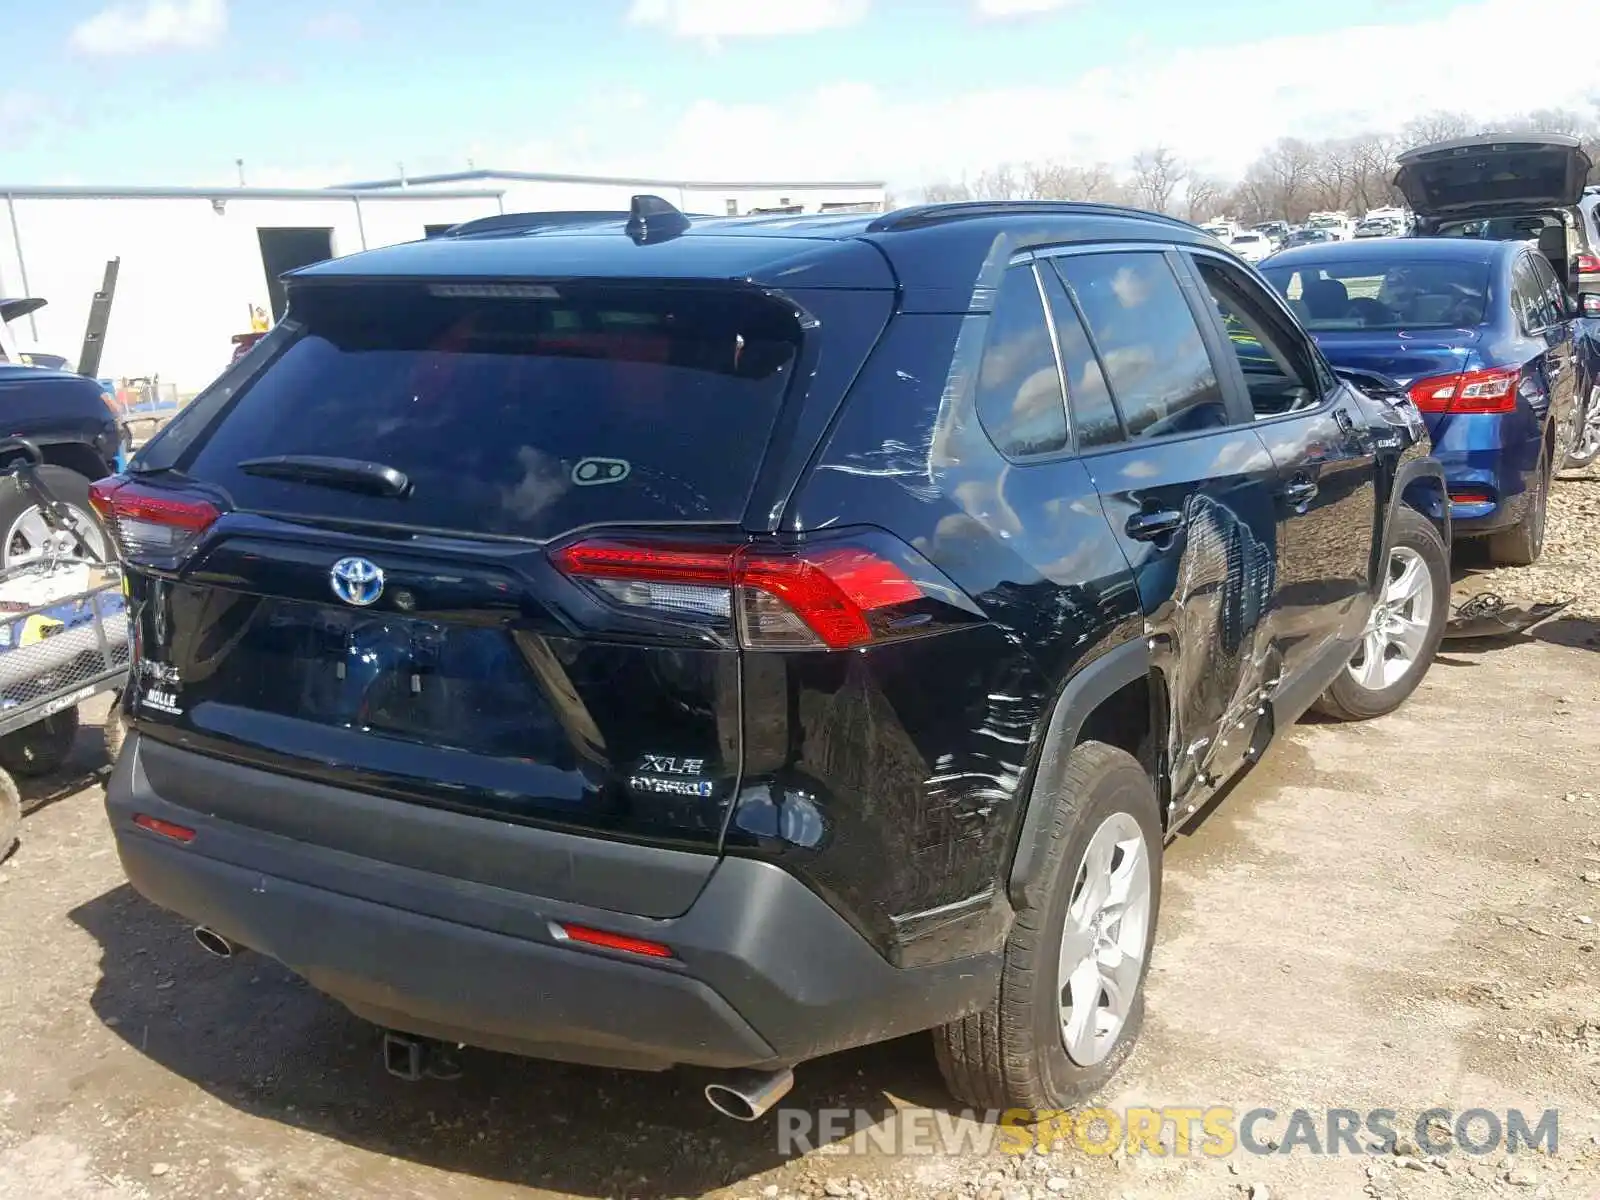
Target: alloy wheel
(1104,940)
(30,538)
(1397,630)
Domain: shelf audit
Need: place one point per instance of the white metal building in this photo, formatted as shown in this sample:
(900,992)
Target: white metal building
(533,192)
(195,262)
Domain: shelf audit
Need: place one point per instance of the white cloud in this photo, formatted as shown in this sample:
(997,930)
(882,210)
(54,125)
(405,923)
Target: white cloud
(334,25)
(1216,106)
(713,20)
(156,25)
(1000,9)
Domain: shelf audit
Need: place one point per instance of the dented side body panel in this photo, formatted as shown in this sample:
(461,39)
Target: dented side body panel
(914,757)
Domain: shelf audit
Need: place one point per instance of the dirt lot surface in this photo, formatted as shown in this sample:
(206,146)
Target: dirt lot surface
(1399,915)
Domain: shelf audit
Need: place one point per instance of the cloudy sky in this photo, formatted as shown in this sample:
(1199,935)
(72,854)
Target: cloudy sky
(319,91)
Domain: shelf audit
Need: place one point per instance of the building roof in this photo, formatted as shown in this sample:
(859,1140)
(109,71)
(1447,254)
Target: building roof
(112,192)
(491,176)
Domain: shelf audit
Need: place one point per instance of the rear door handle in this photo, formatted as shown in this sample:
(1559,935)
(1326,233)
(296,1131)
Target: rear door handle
(1148,526)
(1300,491)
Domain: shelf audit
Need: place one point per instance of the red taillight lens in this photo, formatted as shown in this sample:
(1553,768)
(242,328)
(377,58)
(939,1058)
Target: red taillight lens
(167,829)
(1470,496)
(827,596)
(147,520)
(1589,264)
(585,936)
(1491,391)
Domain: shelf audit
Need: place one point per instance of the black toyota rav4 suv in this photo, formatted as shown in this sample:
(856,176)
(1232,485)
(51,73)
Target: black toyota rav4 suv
(646,642)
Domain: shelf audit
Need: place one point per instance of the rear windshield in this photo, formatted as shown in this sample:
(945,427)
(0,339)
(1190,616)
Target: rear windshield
(524,413)
(1384,293)
(1501,229)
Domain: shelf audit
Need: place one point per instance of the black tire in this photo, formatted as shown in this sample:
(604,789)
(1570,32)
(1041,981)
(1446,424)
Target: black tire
(42,747)
(1521,545)
(66,486)
(1011,1055)
(115,730)
(1346,699)
(10,815)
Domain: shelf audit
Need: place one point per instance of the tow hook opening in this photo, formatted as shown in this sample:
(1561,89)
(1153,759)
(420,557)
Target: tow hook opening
(412,1058)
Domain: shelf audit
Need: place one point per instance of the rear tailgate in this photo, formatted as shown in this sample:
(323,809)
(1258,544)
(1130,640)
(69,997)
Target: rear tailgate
(1483,176)
(453,666)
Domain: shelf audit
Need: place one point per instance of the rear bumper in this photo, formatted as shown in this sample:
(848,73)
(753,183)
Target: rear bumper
(765,973)
(1484,453)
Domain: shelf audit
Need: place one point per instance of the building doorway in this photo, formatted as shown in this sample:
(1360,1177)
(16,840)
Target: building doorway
(283,249)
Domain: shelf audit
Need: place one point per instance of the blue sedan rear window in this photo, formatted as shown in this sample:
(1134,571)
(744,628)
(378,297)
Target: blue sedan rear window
(1384,293)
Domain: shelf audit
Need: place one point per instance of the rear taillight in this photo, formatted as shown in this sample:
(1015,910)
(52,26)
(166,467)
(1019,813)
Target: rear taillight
(835,595)
(1588,264)
(150,521)
(1491,391)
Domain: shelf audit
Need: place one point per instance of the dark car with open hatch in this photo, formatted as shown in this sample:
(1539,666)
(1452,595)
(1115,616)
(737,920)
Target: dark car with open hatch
(645,641)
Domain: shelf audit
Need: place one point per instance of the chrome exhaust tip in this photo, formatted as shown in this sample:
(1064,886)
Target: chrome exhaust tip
(747,1095)
(213,942)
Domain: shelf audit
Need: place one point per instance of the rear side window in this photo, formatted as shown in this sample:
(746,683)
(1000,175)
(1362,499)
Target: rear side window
(1154,357)
(523,414)
(1019,385)
(1555,294)
(1094,416)
(1528,300)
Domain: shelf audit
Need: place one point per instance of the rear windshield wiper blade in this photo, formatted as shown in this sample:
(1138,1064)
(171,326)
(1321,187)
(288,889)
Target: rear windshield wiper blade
(350,474)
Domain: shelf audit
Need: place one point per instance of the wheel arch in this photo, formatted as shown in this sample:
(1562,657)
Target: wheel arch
(1096,703)
(1419,484)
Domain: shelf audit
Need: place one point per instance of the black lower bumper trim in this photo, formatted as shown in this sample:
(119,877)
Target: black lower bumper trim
(765,974)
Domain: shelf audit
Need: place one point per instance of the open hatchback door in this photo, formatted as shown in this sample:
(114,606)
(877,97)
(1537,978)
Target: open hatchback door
(1492,175)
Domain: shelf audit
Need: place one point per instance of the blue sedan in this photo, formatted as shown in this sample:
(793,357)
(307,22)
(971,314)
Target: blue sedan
(1482,335)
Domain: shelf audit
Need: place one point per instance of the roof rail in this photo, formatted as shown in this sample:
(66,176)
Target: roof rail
(528,222)
(935,214)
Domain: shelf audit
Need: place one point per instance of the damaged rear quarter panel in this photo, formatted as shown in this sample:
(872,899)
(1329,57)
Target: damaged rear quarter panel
(892,779)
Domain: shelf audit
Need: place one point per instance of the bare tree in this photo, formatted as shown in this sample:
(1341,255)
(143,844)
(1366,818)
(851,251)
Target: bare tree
(1435,127)
(1202,196)
(1288,180)
(1097,182)
(1046,181)
(1157,172)
(1372,166)
(997,183)
(945,192)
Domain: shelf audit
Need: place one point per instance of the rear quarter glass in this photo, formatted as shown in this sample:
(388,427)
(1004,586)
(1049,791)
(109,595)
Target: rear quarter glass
(521,416)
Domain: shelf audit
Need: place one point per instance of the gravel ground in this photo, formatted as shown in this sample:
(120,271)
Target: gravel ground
(1393,915)
(1570,565)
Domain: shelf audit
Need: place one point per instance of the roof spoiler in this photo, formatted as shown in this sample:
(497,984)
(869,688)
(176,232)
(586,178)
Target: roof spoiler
(649,219)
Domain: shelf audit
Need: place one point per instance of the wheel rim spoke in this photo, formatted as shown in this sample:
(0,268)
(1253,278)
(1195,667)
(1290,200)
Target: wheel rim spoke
(1409,583)
(1410,637)
(1369,672)
(1105,939)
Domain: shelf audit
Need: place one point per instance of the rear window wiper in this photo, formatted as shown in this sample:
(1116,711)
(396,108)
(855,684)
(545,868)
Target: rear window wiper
(350,474)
